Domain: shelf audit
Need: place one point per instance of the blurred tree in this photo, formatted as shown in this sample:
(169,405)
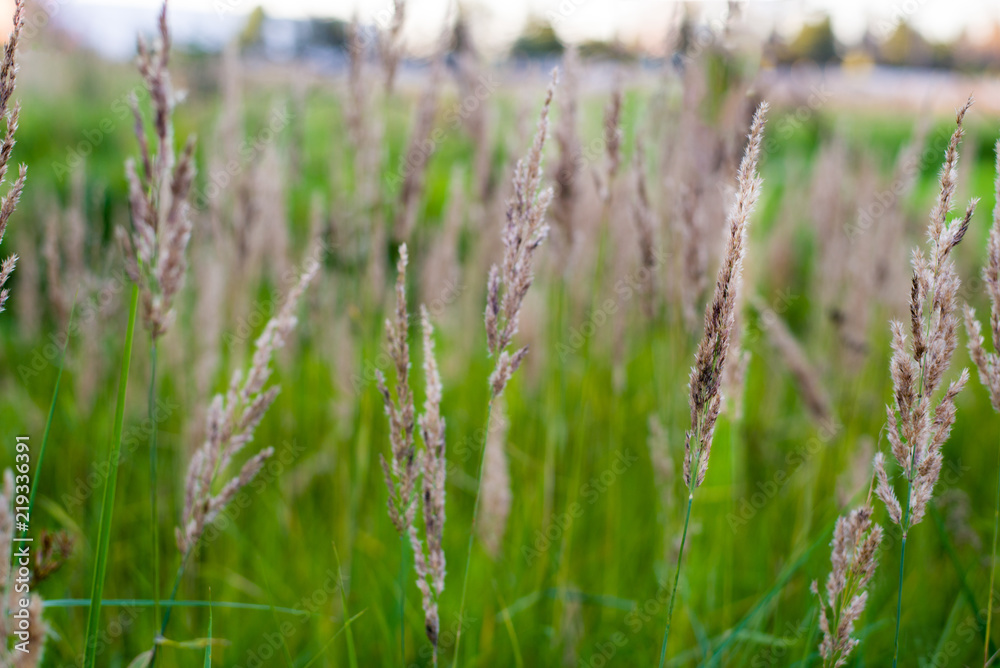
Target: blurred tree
(907,47)
(252,29)
(814,42)
(538,39)
(601,50)
(328,32)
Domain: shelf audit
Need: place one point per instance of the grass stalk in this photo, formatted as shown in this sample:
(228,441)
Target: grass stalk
(402,600)
(208,648)
(108,504)
(169,605)
(153,486)
(472,530)
(677,577)
(352,656)
(52,412)
(993,568)
(902,557)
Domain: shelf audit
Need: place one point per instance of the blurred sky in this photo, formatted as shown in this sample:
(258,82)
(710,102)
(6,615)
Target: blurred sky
(112,23)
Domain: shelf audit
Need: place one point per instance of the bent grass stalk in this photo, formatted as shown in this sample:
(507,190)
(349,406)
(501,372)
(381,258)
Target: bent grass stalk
(677,577)
(680,558)
(524,232)
(705,384)
(110,485)
(993,568)
(153,498)
(472,531)
(52,412)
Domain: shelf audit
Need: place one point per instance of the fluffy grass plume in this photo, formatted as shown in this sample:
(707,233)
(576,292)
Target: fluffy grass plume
(988,363)
(8,81)
(158,190)
(917,426)
(856,540)
(232,419)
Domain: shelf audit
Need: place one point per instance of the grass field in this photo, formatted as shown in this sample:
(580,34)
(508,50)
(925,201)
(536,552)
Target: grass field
(582,573)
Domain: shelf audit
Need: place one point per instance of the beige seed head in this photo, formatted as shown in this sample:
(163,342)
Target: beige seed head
(720,315)
(524,232)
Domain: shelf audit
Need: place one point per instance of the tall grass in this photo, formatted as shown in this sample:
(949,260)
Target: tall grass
(577,567)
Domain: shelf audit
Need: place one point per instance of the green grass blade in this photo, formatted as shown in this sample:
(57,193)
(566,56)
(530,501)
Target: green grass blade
(108,505)
(208,649)
(963,581)
(153,485)
(782,580)
(351,653)
(346,627)
(509,624)
(274,615)
(52,412)
(148,603)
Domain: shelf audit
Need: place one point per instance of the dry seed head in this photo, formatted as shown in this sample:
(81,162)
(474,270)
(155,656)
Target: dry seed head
(988,363)
(429,557)
(949,175)
(523,233)
(402,470)
(230,425)
(418,154)
(158,193)
(567,188)
(612,145)
(854,558)
(720,314)
(917,428)
(8,82)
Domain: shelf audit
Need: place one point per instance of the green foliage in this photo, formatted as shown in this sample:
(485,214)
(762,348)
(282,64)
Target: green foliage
(585,587)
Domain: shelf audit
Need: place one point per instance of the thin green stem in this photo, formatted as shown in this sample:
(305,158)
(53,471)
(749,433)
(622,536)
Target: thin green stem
(169,604)
(110,486)
(352,656)
(993,568)
(402,599)
(899,602)
(52,412)
(153,496)
(472,530)
(677,577)
(902,556)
